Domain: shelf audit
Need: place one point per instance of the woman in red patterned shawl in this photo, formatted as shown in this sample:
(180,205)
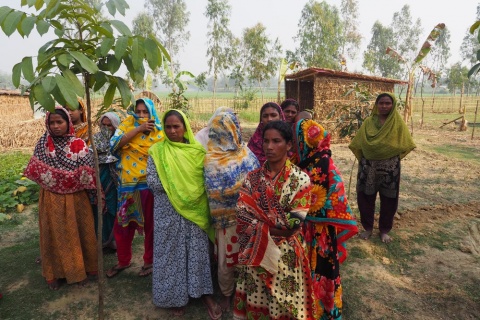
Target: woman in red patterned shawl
(274,279)
(329,222)
(63,167)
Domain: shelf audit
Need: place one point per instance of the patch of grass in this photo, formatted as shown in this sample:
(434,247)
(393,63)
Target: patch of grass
(464,153)
(357,253)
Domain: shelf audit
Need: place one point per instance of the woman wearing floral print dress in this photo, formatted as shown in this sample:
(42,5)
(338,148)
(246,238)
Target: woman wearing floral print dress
(329,222)
(274,279)
(63,167)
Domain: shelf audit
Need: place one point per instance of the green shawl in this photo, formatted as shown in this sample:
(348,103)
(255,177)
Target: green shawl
(374,141)
(180,168)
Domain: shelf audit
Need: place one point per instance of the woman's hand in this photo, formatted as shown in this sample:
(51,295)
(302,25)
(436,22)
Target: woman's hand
(281,233)
(147,126)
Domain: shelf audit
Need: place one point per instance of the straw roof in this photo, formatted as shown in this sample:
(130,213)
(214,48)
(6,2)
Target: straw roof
(321,72)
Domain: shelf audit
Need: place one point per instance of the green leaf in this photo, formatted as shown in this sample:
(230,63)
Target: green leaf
(84,61)
(127,96)
(4,12)
(31,3)
(49,83)
(59,32)
(120,6)
(111,7)
(57,94)
(64,59)
(108,28)
(27,69)
(16,74)
(42,27)
(51,7)
(43,97)
(77,86)
(106,45)
(66,88)
(23,3)
(11,22)
(100,80)
(109,94)
(121,47)
(474,70)
(138,52)
(27,25)
(154,56)
(39,4)
(113,64)
(103,31)
(474,26)
(121,27)
(166,55)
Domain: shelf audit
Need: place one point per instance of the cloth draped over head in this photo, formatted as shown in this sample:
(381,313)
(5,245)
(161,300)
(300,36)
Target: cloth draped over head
(329,202)
(180,169)
(81,129)
(132,167)
(375,141)
(61,164)
(227,162)
(264,203)
(202,135)
(102,138)
(256,141)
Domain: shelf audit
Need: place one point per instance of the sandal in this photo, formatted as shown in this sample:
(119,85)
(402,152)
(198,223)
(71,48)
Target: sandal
(146,271)
(116,269)
(214,310)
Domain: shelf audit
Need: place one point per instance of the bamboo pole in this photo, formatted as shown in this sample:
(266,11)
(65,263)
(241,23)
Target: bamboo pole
(475,120)
(461,99)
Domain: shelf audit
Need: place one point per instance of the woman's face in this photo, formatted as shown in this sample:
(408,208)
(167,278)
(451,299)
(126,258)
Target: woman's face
(290,113)
(75,115)
(58,126)
(384,106)
(141,111)
(274,146)
(270,114)
(174,129)
(108,124)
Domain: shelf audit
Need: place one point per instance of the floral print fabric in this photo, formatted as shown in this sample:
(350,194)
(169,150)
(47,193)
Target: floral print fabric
(330,221)
(61,164)
(274,280)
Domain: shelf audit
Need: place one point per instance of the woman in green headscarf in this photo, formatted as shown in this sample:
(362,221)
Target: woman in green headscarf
(380,143)
(181,263)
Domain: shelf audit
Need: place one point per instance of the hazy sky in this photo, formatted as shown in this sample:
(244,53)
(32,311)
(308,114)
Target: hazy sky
(281,19)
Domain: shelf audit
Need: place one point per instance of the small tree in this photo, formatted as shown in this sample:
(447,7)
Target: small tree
(83,58)
(424,50)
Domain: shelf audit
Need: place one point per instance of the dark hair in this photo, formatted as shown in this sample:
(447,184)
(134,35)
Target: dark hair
(284,128)
(174,113)
(383,95)
(64,116)
(290,102)
(271,105)
(137,102)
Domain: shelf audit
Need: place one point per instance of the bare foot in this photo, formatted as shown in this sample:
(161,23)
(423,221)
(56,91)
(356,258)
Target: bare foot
(385,238)
(225,303)
(53,284)
(365,235)
(178,311)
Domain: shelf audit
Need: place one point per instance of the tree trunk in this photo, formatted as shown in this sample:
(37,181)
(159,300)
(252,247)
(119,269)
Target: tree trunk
(101,314)
(408,99)
(214,89)
(461,98)
(433,97)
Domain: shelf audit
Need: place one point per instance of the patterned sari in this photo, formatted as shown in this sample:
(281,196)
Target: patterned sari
(132,167)
(63,167)
(330,221)
(274,276)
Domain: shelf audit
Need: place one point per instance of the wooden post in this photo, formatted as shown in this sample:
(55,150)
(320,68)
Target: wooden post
(461,99)
(475,120)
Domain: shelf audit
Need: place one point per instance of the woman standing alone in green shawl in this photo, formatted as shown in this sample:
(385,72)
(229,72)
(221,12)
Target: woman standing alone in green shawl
(181,263)
(380,143)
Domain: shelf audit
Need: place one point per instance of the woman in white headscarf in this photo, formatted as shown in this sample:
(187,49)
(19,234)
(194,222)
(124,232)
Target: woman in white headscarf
(108,176)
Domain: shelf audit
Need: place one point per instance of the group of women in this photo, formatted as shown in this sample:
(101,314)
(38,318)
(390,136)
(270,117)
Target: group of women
(274,210)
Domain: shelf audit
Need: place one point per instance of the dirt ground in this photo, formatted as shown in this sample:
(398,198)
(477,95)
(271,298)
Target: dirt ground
(431,270)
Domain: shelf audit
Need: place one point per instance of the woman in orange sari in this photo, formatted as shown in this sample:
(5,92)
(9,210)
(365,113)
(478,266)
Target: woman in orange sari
(79,119)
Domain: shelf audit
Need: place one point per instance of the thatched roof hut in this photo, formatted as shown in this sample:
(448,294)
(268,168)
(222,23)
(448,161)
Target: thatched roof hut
(322,89)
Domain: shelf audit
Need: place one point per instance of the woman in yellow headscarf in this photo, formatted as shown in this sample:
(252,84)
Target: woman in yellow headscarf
(79,119)
(380,143)
(131,141)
